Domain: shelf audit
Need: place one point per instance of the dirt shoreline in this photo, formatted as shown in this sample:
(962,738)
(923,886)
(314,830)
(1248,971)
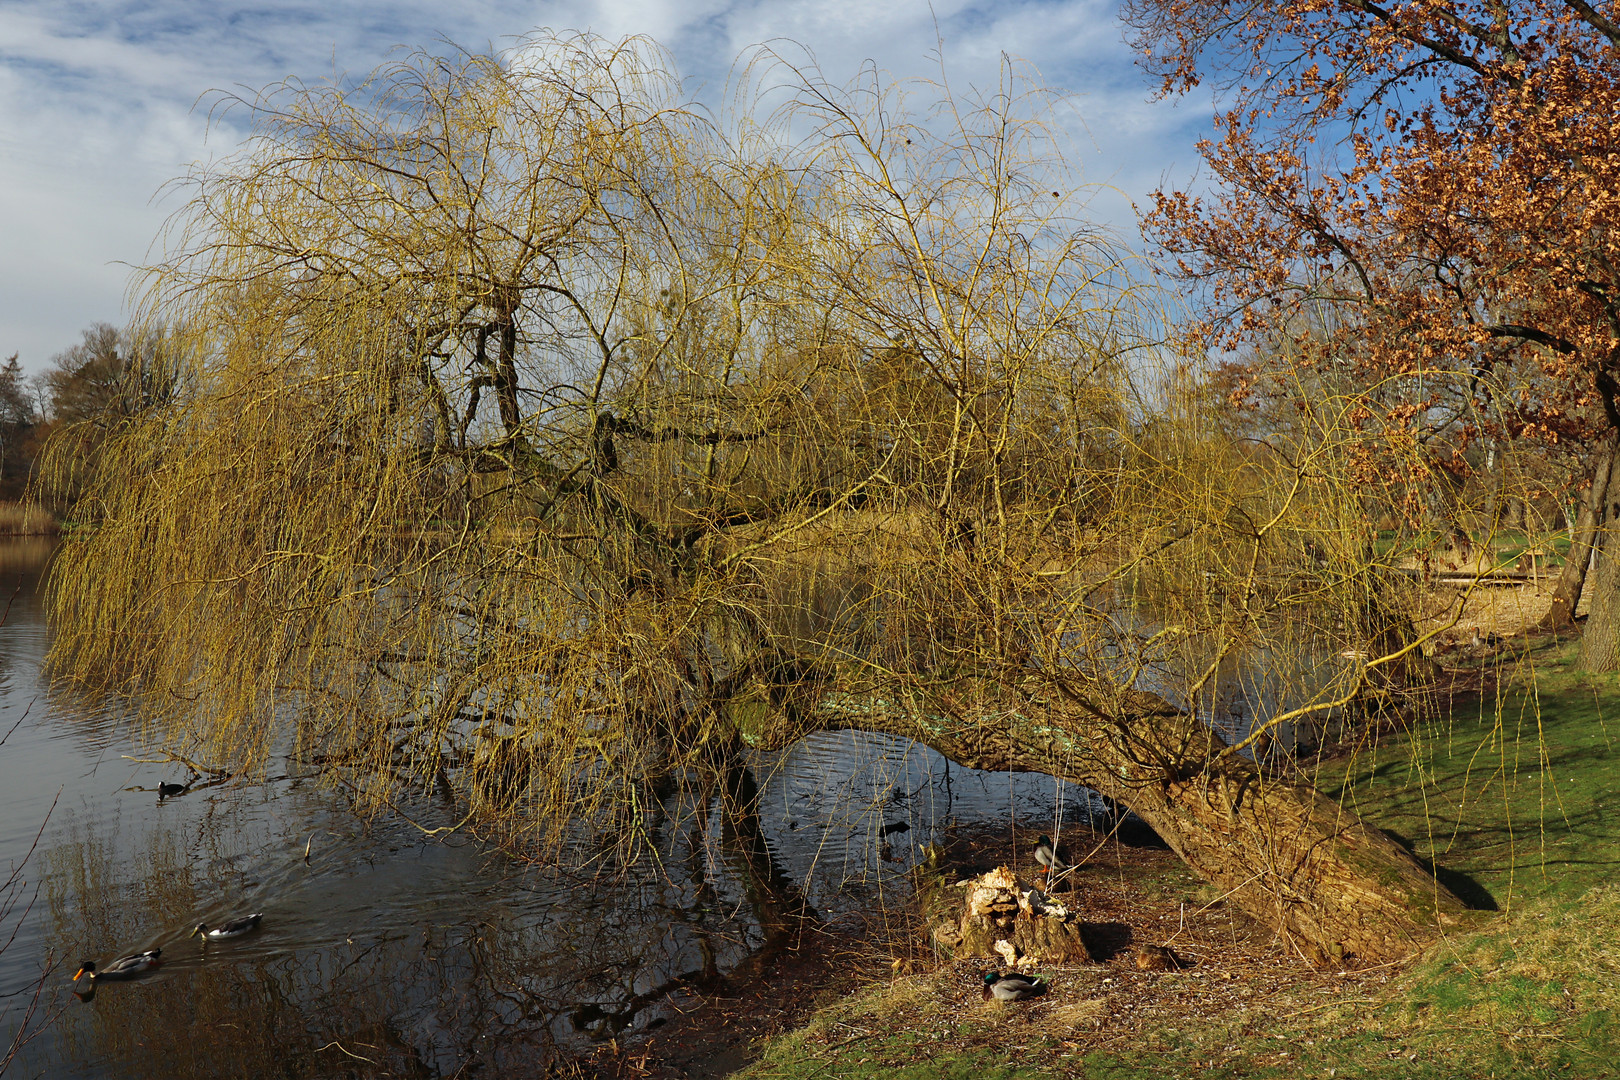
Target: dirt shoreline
(1132,890)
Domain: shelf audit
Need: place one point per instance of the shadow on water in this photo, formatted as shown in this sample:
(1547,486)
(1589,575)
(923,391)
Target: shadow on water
(387,954)
(384,953)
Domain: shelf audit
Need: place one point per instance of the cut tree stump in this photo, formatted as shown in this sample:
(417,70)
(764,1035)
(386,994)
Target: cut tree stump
(1005,918)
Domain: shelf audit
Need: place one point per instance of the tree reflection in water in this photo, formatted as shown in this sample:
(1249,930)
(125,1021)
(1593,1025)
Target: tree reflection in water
(518,973)
(422,957)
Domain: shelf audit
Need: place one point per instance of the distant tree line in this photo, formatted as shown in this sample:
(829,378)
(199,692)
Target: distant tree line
(18,434)
(111,375)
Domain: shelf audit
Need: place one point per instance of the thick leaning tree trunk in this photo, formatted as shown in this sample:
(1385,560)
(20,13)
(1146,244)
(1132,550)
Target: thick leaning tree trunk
(1282,851)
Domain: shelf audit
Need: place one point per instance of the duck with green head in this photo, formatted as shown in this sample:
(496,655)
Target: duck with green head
(125,967)
(1053,859)
(1012,986)
(234,928)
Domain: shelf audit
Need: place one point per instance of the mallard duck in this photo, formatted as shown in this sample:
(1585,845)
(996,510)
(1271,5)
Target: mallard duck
(1050,856)
(122,968)
(1012,986)
(234,928)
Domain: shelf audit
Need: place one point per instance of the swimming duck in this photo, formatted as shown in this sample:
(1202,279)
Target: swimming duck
(122,968)
(234,928)
(1050,856)
(1012,986)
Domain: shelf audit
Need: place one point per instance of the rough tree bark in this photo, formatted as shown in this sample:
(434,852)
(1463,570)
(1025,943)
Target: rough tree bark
(1342,890)
(1572,582)
(1600,640)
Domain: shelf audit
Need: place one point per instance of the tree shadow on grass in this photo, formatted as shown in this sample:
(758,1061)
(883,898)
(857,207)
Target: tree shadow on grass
(1105,940)
(1463,886)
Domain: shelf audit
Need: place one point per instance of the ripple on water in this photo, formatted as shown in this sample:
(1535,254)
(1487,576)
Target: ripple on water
(419,955)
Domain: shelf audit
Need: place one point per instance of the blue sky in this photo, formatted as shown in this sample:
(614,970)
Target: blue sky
(98,101)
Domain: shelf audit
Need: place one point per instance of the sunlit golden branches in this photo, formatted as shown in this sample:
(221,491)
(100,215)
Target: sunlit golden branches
(545,444)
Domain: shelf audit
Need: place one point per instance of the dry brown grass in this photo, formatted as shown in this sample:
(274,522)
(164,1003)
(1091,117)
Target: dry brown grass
(22,519)
(1505,610)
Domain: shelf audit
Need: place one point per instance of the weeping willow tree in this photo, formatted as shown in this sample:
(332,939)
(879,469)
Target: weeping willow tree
(548,441)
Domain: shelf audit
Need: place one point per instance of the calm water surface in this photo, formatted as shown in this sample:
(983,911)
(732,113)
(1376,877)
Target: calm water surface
(387,953)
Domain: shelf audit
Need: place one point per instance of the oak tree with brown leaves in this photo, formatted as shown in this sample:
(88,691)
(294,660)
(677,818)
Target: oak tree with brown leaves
(1424,198)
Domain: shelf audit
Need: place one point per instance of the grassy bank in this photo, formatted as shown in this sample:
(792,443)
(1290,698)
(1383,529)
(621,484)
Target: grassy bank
(1516,797)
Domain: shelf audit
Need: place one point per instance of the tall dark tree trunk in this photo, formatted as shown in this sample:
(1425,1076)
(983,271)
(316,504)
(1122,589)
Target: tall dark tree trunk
(1572,582)
(1278,848)
(1600,641)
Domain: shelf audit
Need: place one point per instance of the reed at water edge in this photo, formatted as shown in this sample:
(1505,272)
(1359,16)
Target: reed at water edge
(24,519)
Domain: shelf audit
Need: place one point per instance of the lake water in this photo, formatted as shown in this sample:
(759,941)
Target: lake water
(384,952)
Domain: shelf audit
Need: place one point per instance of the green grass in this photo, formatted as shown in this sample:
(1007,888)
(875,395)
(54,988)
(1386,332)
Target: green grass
(1518,794)
(896,1030)
(1507,544)
(1516,799)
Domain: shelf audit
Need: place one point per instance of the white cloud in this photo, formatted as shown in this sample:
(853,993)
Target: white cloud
(98,100)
